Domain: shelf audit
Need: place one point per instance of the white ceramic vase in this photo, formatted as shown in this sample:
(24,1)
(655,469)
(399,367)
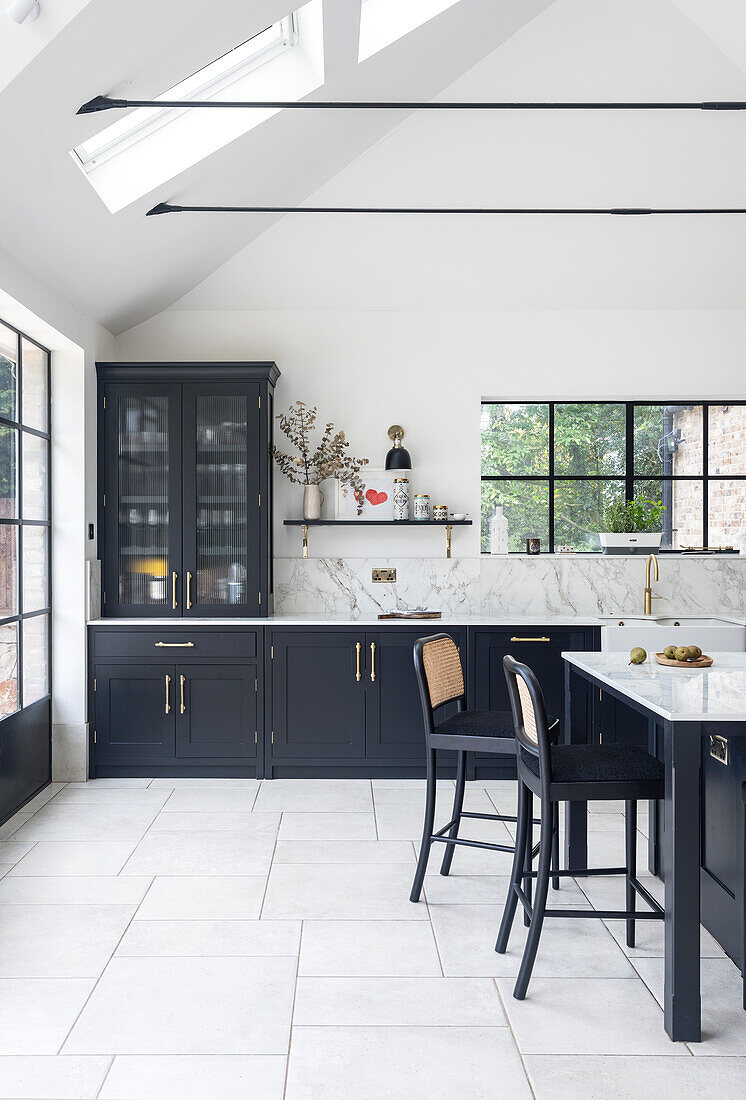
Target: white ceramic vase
(499,532)
(313,498)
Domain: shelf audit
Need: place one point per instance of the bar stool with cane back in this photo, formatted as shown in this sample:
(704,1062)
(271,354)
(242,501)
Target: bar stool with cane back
(441,680)
(567,773)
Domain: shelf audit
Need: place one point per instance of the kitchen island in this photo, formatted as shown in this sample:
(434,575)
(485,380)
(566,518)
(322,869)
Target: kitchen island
(684,708)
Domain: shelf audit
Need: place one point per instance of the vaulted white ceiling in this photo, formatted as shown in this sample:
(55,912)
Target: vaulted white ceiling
(122,268)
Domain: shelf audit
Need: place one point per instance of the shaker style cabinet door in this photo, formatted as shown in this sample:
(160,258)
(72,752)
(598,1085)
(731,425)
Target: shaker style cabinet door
(135,714)
(222,461)
(394,729)
(141,443)
(318,696)
(216,708)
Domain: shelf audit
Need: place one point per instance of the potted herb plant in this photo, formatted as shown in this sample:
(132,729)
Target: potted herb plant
(632,527)
(312,465)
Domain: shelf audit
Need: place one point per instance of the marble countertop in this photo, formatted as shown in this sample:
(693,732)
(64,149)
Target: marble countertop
(715,694)
(322,619)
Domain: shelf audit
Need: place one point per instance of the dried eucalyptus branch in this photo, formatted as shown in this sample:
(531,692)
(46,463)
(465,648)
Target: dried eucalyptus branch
(328,459)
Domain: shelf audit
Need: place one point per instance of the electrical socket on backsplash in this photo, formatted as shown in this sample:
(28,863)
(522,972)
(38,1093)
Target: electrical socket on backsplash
(386,575)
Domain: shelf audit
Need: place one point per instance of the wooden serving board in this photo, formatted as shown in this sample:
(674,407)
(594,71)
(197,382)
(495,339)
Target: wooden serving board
(410,615)
(702,662)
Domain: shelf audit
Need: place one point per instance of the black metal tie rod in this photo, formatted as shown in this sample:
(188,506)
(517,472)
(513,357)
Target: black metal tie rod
(169,208)
(105,103)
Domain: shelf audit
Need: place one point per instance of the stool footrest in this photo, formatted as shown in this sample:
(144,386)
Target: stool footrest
(472,843)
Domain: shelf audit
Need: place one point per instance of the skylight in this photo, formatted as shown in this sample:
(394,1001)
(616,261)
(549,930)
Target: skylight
(150,145)
(384,21)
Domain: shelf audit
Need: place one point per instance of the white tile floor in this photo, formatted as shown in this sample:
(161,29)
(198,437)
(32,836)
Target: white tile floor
(193,939)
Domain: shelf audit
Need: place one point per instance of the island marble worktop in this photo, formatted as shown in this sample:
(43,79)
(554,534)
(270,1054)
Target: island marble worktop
(316,618)
(715,694)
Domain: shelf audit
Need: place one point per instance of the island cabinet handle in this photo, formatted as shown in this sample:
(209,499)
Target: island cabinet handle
(182,681)
(168,691)
(514,639)
(372,662)
(174,645)
(189,592)
(358,647)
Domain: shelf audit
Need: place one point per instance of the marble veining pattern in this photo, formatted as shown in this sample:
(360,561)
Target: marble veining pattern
(545,585)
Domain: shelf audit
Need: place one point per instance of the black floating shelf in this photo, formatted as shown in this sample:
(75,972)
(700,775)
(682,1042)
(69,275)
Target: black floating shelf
(378,522)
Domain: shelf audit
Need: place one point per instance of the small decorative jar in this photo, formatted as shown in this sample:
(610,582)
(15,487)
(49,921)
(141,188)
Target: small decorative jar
(533,546)
(422,506)
(440,511)
(401,499)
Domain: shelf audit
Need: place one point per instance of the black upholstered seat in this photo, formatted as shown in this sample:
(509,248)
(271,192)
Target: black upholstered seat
(599,764)
(478,723)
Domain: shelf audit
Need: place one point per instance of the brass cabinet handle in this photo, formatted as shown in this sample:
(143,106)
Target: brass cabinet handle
(372,662)
(189,591)
(168,692)
(182,681)
(514,639)
(174,603)
(357,652)
(174,645)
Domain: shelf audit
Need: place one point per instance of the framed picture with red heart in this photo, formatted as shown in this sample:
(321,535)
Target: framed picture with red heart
(377,498)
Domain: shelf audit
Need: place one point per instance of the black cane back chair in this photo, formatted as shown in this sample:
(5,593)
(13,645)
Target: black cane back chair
(441,680)
(566,773)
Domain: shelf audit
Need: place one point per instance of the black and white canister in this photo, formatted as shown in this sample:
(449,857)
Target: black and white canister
(401,498)
(422,506)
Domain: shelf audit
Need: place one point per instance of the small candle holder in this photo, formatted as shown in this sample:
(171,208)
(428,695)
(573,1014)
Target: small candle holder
(533,546)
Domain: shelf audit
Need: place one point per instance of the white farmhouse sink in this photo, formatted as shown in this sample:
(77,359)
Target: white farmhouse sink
(653,632)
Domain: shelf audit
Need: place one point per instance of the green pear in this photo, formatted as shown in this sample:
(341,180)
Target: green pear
(637,655)
(682,653)
(694,652)
(670,652)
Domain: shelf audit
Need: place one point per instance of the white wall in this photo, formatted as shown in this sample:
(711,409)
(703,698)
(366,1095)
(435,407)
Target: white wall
(429,371)
(76,343)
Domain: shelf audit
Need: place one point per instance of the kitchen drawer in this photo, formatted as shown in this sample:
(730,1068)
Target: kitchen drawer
(110,642)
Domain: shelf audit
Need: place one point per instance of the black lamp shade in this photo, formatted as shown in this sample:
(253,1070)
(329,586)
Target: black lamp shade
(398,459)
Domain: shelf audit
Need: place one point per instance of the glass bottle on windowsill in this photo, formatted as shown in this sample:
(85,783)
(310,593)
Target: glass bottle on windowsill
(499,532)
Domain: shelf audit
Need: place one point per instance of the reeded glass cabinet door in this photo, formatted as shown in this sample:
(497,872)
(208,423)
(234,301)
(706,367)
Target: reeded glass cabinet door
(221,499)
(142,510)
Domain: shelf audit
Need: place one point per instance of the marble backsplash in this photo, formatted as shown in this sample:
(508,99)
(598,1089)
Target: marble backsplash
(519,585)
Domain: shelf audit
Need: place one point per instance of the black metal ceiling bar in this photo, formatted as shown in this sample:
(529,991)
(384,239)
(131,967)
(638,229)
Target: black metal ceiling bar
(169,208)
(106,103)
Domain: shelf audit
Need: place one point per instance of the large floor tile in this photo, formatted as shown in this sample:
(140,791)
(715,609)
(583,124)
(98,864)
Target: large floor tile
(197,821)
(37,1013)
(59,941)
(205,784)
(203,897)
(125,781)
(188,1006)
(210,938)
(88,794)
(315,795)
(344,851)
(409,784)
(74,857)
(723,1017)
(358,948)
(211,799)
(404,821)
(398,1002)
(399,1063)
(11,851)
(577,1016)
(13,824)
(42,797)
(196,1077)
(207,853)
(73,890)
(466,936)
(639,1078)
(95,822)
(328,826)
(29,1078)
(327,891)
(475,800)
(461,889)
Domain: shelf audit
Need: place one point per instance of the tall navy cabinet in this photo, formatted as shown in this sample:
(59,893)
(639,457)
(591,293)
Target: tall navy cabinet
(185,500)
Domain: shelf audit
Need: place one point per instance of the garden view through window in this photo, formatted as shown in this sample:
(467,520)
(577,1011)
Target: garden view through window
(561,469)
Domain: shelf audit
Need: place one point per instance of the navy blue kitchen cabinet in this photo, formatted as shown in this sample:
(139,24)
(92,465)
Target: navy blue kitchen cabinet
(175,701)
(345,702)
(185,489)
(541,648)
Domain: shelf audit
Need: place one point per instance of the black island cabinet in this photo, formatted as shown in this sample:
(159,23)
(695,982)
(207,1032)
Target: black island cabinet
(185,489)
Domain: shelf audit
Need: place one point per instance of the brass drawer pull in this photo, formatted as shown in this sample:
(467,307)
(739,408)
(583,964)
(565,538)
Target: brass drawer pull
(357,652)
(189,591)
(174,602)
(174,645)
(372,662)
(514,639)
(182,681)
(168,692)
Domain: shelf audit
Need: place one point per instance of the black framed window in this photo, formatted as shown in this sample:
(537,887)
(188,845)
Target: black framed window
(556,467)
(25,523)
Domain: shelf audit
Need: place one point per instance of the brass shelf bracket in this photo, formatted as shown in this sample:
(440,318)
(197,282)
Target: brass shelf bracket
(304,529)
(449,529)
